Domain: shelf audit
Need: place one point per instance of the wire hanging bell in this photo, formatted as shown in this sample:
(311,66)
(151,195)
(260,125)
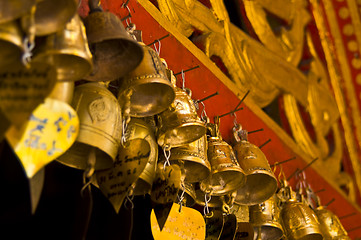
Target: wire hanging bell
(151,90)
(51,16)
(115,52)
(330,224)
(226,174)
(68,51)
(261,182)
(193,158)
(265,218)
(100,127)
(11,43)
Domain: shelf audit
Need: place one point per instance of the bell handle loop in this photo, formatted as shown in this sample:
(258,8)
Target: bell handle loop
(236,130)
(217,123)
(188,91)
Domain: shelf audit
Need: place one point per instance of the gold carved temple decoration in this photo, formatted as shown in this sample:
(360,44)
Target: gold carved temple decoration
(269,68)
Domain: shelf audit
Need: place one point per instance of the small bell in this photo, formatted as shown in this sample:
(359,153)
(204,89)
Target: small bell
(226,174)
(63,91)
(214,201)
(265,218)
(193,158)
(141,134)
(330,224)
(100,127)
(261,182)
(244,228)
(299,221)
(11,43)
(115,52)
(11,10)
(151,90)
(67,50)
(180,124)
(51,16)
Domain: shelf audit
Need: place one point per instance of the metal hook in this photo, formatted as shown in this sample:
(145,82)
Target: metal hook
(159,39)
(129,16)
(155,47)
(264,144)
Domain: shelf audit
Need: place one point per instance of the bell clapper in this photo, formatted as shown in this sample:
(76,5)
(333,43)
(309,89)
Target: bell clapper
(89,171)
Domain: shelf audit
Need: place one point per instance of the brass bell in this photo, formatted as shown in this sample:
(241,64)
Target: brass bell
(265,218)
(261,182)
(141,135)
(67,50)
(100,127)
(151,90)
(226,174)
(193,158)
(300,221)
(244,228)
(51,16)
(11,10)
(330,224)
(180,124)
(189,194)
(214,201)
(63,91)
(115,52)
(11,43)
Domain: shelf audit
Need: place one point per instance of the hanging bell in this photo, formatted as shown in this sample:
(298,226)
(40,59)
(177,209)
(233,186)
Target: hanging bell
(51,16)
(193,158)
(141,135)
(11,43)
(300,221)
(100,127)
(67,50)
(330,224)
(226,174)
(180,124)
(151,90)
(261,182)
(63,91)
(115,52)
(244,228)
(265,218)
(11,10)
(189,194)
(214,201)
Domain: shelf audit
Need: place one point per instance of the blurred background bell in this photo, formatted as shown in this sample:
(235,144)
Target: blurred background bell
(265,219)
(100,127)
(63,91)
(13,9)
(151,90)
(141,135)
(115,52)
(261,182)
(193,158)
(330,225)
(226,174)
(51,15)
(67,50)
(180,124)
(300,221)
(11,43)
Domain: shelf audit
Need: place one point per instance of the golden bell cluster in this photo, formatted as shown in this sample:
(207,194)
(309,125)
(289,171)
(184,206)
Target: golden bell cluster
(124,129)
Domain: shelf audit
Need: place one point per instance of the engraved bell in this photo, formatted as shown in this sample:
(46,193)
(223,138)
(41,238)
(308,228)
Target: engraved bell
(11,10)
(330,224)
(226,174)
(261,182)
(115,52)
(100,127)
(151,90)
(265,218)
(140,135)
(180,124)
(67,50)
(193,158)
(51,16)
(300,221)
(244,228)
(11,43)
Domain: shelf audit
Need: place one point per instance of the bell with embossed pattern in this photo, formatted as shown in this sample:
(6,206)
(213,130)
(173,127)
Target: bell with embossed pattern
(139,138)
(100,127)
(67,50)
(226,174)
(265,218)
(330,225)
(300,221)
(51,16)
(261,182)
(115,52)
(151,92)
(193,158)
(180,124)
(11,44)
